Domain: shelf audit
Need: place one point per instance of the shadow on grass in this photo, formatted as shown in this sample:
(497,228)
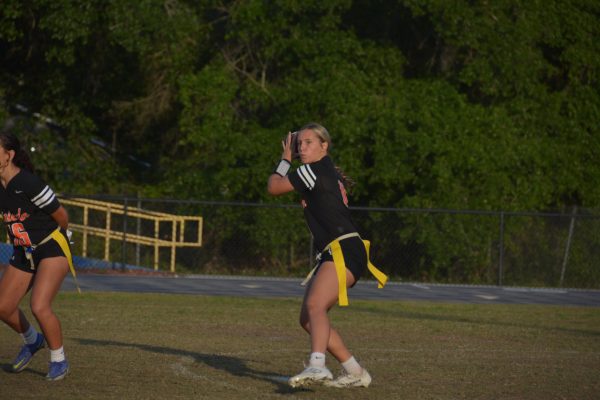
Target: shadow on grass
(232,365)
(8,369)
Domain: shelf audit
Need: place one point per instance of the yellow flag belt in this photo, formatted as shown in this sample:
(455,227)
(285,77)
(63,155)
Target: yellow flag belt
(62,242)
(340,267)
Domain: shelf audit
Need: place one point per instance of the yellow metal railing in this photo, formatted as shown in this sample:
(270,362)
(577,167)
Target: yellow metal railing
(108,232)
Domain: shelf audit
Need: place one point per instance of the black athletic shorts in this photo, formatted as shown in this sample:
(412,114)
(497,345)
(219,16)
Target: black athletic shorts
(355,256)
(49,249)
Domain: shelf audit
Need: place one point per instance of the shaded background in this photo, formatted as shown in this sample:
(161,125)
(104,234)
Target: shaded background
(484,106)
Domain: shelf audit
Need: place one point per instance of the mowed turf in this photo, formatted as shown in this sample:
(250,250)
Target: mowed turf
(152,346)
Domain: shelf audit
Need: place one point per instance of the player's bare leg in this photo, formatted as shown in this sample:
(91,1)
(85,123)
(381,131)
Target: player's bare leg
(14,284)
(321,295)
(355,375)
(50,275)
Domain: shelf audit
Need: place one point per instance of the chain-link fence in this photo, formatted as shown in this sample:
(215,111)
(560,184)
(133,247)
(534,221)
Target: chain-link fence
(442,246)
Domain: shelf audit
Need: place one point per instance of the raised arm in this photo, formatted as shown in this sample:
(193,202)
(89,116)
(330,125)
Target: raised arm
(278,182)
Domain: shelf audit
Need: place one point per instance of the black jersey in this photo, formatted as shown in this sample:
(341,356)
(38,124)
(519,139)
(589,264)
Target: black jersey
(324,201)
(26,204)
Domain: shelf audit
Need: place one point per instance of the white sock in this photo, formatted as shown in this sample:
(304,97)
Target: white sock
(57,355)
(29,336)
(317,360)
(352,366)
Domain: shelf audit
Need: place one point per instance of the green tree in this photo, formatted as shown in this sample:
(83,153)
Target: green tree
(480,105)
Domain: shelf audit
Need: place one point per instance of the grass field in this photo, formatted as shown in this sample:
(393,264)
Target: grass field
(150,346)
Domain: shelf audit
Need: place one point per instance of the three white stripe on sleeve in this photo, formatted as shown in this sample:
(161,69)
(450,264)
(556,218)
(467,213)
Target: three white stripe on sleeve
(307,176)
(45,197)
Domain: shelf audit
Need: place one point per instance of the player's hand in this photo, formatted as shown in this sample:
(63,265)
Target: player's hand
(286,143)
(70,236)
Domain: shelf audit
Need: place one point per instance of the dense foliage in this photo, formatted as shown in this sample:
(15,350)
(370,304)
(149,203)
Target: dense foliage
(481,105)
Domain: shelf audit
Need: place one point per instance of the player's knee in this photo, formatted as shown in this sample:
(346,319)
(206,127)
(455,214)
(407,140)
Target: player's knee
(40,310)
(314,306)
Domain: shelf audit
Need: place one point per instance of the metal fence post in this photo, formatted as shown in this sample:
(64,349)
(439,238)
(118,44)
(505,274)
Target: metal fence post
(568,246)
(138,230)
(501,250)
(124,242)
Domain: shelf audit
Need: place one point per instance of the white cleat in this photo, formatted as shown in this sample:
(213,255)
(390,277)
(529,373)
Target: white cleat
(310,375)
(347,380)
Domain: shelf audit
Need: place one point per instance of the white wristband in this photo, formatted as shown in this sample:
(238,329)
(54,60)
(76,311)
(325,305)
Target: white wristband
(283,167)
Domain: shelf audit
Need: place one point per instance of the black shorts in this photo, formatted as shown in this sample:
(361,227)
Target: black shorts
(355,256)
(49,249)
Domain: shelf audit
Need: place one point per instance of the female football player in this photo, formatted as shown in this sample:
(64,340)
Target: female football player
(343,255)
(37,227)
